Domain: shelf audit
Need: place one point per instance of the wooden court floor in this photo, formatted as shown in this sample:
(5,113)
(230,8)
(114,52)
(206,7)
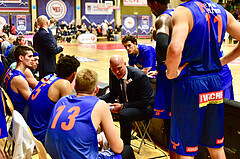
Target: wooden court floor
(102,51)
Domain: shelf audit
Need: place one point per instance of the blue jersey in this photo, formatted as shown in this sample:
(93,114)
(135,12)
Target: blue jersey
(71,131)
(19,102)
(203,43)
(162,103)
(40,108)
(3,125)
(146,57)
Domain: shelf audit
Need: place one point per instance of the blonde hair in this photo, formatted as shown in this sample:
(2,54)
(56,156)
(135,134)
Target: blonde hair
(86,81)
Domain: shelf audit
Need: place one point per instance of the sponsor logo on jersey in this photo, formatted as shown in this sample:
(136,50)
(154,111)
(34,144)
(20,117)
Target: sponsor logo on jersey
(210,98)
(191,149)
(219,141)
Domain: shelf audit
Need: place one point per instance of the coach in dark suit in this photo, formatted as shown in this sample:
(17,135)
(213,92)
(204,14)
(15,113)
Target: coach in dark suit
(45,44)
(136,95)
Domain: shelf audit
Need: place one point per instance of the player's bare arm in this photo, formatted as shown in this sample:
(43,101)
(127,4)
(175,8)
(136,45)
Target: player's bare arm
(30,78)
(182,24)
(101,109)
(59,89)
(20,85)
(233,29)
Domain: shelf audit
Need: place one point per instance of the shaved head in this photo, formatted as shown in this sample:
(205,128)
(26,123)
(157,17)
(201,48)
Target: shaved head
(42,21)
(116,59)
(118,66)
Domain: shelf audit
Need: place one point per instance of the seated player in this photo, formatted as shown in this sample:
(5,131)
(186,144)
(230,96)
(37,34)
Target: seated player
(141,55)
(15,83)
(49,90)
(32,82)
(75,120)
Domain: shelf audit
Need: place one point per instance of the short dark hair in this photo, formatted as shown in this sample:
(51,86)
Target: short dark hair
(129,37)
(19,38)
(66,65)
(164,2)
(21,50)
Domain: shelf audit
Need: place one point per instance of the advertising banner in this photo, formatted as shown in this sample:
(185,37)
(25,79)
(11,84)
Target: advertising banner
(22,23)
(4,19)
(91,13)
(144,25)
(62,10)
(135,2)
(14,6)
(129,25)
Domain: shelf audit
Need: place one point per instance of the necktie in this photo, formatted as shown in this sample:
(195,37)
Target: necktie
(123,91)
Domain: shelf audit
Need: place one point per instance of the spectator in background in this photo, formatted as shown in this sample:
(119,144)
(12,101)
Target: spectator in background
(104,28)
(13,29)
(110,36)
(83,28)
(7,43)
(19,41)
(99,30)
(4,43)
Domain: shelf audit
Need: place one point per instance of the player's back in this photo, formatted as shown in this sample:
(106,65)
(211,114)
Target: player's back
(71,131)
(40,107)
(203,43)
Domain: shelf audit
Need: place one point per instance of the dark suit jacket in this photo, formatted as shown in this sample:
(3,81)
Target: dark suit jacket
(46,46)
(139,90)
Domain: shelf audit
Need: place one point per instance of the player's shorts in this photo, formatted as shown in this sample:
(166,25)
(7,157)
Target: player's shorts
(197,114)
(109,154)
(162,104)
(228,92)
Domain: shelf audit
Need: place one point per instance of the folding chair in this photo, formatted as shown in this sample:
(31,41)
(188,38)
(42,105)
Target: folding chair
(42,153)
(8,108)
(142,127)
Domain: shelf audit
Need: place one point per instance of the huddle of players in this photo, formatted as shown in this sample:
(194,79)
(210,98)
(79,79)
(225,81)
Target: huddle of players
(82,112)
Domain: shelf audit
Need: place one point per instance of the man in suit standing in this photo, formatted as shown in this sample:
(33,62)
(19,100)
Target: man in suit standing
(136,95)
(46,45)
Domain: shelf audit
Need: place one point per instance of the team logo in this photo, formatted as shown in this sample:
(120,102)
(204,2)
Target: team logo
(56,9)
(2,22)
(175,145)
(158,111)
(129,22)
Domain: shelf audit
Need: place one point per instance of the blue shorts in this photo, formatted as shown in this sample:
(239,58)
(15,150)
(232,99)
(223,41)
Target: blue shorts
(109,154)
(197,114)
(162,104)
(228,92)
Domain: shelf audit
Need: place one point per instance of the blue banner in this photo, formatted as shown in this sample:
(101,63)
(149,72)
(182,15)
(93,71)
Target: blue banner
(62,10)
(144,25)
(129,25)
(92,13)
(22,23)
(4,19)
(14,6)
